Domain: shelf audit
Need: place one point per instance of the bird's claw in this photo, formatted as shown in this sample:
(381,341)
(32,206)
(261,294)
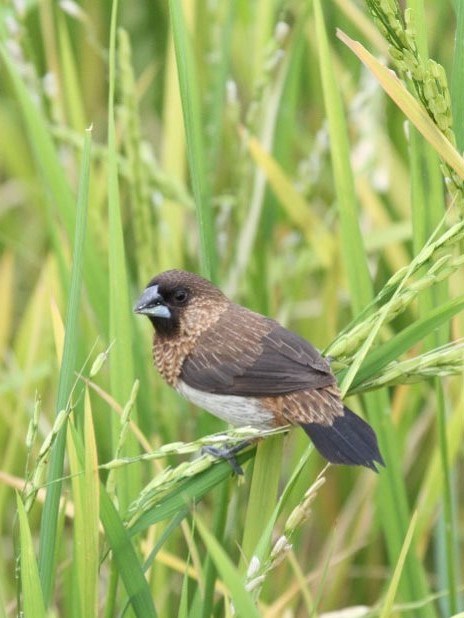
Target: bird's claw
(228,453)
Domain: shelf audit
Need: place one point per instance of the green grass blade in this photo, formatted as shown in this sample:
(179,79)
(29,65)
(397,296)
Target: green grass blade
(191,107)
(85,484)
(183,607)
(352,244)
(129,568)
(263,494)
(393,587)
(72,89)
(447,532)
(241,598)
(220,71)
(432,486)
(210,572)
(32,598)
(168,530)
(49,519)
(141,216)
(120,313)
(266,536)
(428,205)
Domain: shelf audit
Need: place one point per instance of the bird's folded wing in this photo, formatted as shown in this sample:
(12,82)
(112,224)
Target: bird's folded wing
(246,354)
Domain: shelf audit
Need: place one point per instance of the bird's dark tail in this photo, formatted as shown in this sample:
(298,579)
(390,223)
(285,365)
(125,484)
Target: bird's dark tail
(348,440)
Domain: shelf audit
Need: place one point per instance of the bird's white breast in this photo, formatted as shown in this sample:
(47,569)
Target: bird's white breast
(238,411)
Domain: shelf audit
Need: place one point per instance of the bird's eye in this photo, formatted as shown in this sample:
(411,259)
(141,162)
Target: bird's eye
(180,296)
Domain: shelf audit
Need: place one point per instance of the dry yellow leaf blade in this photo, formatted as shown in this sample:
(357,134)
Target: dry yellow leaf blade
(413,110)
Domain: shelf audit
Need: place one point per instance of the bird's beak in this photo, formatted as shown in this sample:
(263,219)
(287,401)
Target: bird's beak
(152,304)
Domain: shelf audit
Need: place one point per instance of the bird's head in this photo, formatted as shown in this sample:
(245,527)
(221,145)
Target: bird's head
(177,300)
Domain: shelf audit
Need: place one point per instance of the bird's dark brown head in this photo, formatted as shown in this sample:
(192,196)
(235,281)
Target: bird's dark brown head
(177,300)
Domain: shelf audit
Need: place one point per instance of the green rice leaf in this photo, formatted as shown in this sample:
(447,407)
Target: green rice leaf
(231,576)
(48,530)
(188,83)
(387,607)
(32,598)
(129,568)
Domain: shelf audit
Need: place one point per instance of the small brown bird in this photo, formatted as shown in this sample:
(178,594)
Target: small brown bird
(247,369)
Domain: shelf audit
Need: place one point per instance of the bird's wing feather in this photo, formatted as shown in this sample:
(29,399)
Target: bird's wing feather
(246,354)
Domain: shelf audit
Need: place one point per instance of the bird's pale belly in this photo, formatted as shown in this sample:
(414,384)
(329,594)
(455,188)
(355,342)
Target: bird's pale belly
(238,411)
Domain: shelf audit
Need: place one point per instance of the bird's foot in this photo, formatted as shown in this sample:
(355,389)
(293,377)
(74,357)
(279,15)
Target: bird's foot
(228,453)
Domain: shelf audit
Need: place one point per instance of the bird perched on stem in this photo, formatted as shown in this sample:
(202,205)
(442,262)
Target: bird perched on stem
(247,369)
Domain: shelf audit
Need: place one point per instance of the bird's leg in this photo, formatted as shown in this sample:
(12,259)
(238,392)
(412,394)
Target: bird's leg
(228,453)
